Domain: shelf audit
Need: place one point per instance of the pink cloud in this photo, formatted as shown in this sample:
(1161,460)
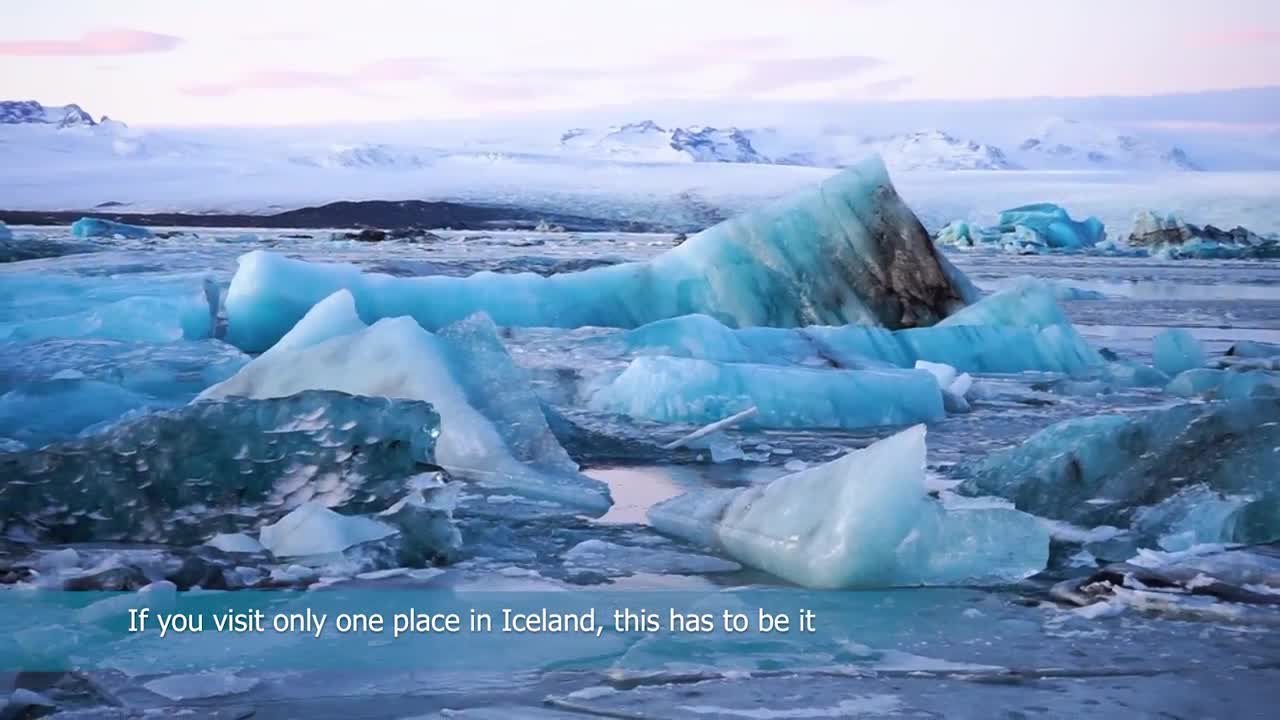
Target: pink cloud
(1235,38)
(97,42)
(359,81)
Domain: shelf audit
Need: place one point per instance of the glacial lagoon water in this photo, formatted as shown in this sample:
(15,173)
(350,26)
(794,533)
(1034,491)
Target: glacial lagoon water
(126,314)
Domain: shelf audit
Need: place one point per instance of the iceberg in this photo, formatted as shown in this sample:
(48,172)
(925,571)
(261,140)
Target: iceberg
(181,476)
(1225,384)
(1027,229)
(494,431)
(5,233)
(53,389)
(684,390)
(94,227)
(848,251)
(1018,329)
(1170,237)
(1252,349)
(1098,470)
(1177,350)
(863,520)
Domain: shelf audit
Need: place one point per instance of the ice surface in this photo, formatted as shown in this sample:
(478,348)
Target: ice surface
(179,476)
(494,431)
(613,559)
(313,529)
(683,390)
(1097,470)
(198,686)
(1177,350)
(847,251)
(864,520)
(95,227)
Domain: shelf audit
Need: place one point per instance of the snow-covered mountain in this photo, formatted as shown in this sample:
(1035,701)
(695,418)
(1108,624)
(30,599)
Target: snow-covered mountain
(646,141)
(23,112)
(1066,144)
(936,150)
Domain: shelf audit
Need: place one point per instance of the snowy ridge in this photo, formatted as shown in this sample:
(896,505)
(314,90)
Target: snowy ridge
(1067,144)
(23,112)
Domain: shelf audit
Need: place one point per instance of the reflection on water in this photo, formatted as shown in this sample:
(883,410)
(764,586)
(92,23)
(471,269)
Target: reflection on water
(636,489)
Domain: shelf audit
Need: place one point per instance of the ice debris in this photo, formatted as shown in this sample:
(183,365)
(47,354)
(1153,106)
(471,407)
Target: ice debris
(494,431)
(199,686)
(179,476)
(1225,384)
(1176,350)
(313,529)
(95,227)
(684,390)
(5,233)
(1027,229)
(848,251)
(1102,470)
(864,520)
(1169,236)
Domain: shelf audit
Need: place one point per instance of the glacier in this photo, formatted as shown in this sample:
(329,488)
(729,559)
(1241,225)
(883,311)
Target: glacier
(848,251)
(95,227)
(685,390)
(1099,470)
(494,431)
(1015,330)
(179,476)
(863,520)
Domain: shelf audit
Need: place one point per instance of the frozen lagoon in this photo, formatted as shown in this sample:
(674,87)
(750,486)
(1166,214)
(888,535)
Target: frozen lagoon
(901,652)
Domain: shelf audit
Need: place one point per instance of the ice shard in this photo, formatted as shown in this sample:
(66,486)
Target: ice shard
(847,251)
(1100,470)
(180,476)
(864,520)
(493,431)
(685,390)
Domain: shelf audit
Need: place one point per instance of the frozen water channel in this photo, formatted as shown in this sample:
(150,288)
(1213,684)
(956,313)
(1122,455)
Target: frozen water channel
(100,329)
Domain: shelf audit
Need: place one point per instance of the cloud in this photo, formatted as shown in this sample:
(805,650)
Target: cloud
(783,73)
(1234,38)
(360,81)
(98,42)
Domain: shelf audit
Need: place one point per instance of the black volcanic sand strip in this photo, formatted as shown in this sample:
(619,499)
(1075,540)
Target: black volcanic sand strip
(391,214)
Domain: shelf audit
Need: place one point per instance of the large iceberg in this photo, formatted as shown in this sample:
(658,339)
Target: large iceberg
(1099,470)
(1169,236)
(864,520)
(1015,330)
(686,390)
(1027,229)
(493,431)
(95,227)
(848,251)
(180,476)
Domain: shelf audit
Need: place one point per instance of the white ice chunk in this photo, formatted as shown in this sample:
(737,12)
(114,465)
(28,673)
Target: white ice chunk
(864,520)
(234,543)
(313,529)
(492,426)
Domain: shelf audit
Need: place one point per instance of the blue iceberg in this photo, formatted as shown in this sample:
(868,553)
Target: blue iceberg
(848,251)
(95,227)
(1016,330)
(1027,229)
(863,520)
(1098,470)
(683,390)
(493,430)
(1168,236)
(179,476)
(1177,350)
